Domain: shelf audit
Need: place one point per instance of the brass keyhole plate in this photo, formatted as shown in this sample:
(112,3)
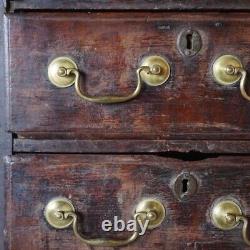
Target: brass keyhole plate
(53,69)
(155,206)
(53,215)
(220,212)
(219,70)
(155,79)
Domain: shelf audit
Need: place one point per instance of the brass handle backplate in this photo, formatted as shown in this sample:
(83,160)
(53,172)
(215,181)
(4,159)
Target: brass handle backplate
(63,72)
(226,214)
(60,213)
(228,70)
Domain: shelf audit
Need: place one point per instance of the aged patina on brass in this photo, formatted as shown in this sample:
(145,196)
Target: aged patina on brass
(63,72)
(159,70)
(60,213)
(53,212)
(228,70)
(155,212)
(226,214)
(56,74)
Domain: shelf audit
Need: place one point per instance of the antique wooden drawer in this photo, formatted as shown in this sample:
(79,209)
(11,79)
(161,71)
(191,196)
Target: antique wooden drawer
(103,186)
(108,49)
(167,79)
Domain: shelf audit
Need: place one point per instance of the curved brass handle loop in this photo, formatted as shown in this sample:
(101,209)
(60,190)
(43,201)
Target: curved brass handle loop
(227,70)
(100,241)
(108,99)
(231,70)
(244,228)
(227,214)
(63,72)
(60,213)
(243,83)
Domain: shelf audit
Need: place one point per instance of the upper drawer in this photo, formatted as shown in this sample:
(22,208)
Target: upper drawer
(128,4)
(108,48)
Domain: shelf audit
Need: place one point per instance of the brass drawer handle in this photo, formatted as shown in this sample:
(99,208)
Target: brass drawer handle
(227,70)
(227,214)
(60,213)
(63,72)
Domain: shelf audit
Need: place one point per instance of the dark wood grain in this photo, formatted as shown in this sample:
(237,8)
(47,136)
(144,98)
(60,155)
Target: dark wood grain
(130,4)
(190,105)
(213,245)
(130,146)
(102,186)
(189,114)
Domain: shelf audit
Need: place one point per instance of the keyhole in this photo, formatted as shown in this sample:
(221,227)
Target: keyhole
(184,186)
(189,42)
(189,38)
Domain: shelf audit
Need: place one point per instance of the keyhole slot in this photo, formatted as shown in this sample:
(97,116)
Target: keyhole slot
(189,38)
(189,42)
(184,186)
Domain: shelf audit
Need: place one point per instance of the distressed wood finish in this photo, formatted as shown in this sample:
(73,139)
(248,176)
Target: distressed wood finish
(130,146)
(190,105)
(129,4)
(103,186)
(187,115)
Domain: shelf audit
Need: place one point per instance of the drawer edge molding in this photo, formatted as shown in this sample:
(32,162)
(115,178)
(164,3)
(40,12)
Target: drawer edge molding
(124,5)
(129,146)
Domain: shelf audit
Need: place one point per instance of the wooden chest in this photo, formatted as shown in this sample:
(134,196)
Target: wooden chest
(136,111)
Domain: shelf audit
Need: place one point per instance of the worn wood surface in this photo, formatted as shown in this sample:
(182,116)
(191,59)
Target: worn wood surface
(5,138)
(129,146)
(190,113)
(190,105)
(129,4)
(102,186)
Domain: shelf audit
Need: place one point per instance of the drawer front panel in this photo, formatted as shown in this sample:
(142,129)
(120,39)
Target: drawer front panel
(108,48)
(104,186)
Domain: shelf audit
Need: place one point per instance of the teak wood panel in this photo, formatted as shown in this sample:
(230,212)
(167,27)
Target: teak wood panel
(104,186)
(108,47)
(129,4)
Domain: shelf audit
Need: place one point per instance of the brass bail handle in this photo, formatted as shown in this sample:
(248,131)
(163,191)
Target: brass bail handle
(228,70)
(63,72)
(60,213)
(227,214)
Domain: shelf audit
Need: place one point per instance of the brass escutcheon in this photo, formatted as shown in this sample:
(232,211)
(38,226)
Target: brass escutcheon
(220,70)
(228,70)
(53,211)
(221,212)
(160,69)
(226,214)
(153,208)
(57,77)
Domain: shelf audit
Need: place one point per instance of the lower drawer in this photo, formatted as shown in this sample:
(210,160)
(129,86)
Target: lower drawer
(101,187)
